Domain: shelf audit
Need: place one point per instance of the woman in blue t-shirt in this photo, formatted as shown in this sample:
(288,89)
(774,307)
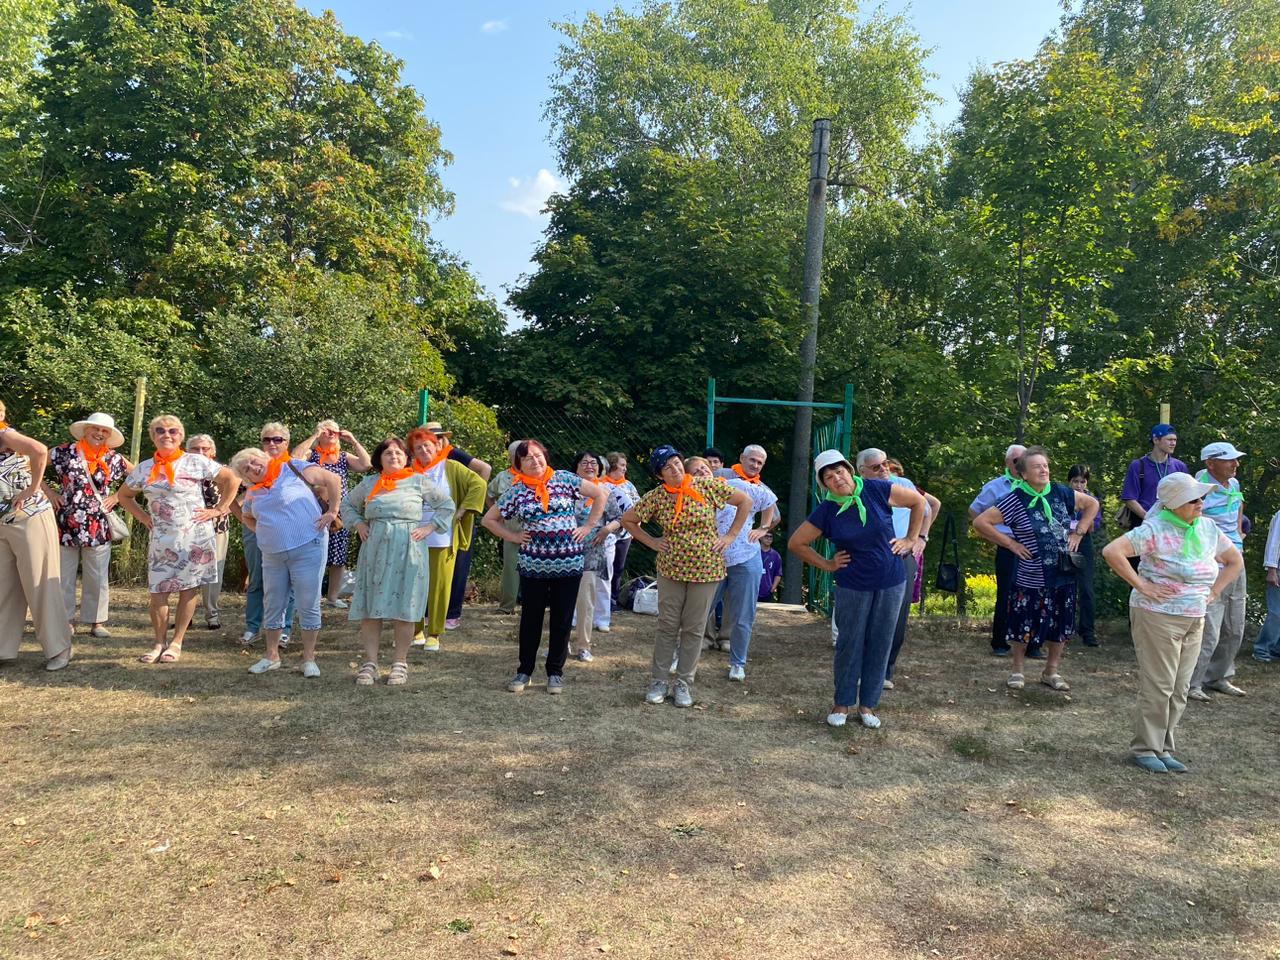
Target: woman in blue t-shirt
(855,516)
(1042,606)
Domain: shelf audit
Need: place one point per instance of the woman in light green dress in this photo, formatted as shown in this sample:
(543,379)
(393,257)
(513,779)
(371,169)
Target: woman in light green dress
(393,512)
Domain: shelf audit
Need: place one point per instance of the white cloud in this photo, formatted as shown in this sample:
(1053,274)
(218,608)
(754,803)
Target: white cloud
(494,26)
(527,197)
(397,35)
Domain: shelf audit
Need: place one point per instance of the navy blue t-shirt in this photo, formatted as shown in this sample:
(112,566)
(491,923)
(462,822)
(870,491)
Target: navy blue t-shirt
(872,563)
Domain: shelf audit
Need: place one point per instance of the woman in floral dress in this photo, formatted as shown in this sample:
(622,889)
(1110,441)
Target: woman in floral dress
(86,469)
(324,447)
(183,554)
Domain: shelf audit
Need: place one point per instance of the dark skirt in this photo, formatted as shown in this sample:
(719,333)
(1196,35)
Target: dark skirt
(1041,616)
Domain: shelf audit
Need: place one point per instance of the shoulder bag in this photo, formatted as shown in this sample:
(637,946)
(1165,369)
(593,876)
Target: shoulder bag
(324,504)
(115,523)
(948,577)
(1126,518)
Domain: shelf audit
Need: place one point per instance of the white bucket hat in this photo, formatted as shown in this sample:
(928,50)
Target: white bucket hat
(1221,451)
(828,458)
(98,420)
(1179,488)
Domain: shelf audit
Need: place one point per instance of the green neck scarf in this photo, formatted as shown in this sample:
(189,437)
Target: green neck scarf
(1040,499)
(854,499)
(1010,477)
(1192,542)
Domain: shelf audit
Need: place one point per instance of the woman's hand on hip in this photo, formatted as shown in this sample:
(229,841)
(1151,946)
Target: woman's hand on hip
(362,531)
(326,519)
(1073,542)
(838,562)
(419,534)
(1158,591)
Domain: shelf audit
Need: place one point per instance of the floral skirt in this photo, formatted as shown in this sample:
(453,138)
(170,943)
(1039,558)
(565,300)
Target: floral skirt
(1041,616)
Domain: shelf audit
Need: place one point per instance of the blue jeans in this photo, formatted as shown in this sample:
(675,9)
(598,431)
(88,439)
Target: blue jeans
(253,592)
(295,573)
(741,593)
(1267,646)
(865,620)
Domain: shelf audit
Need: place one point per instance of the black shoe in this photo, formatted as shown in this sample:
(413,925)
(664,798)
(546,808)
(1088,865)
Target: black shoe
(1000,651)
(1092,642)
(1037,654)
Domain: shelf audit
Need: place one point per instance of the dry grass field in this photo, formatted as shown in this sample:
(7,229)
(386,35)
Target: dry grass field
(194,810)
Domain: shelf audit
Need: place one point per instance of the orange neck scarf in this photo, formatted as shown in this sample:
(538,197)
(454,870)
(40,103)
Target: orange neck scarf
(538,485)
(273,472)
(387,481)
(163,465)
(612,482)
(737,468)
(95,459)
(329,454)
(441,456)
(686,487)
(4,425)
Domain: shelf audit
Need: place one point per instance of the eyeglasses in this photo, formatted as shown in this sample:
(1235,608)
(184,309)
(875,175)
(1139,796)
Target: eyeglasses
(273,439)
(1200,501)
(882,465)
(168,431)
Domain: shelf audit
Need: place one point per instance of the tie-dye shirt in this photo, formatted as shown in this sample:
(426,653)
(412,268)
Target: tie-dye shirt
(1160,548)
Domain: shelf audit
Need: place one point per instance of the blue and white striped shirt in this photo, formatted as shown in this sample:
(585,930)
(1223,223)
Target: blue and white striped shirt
(286,513)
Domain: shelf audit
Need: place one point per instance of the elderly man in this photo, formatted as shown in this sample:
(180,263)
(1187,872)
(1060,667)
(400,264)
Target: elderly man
(1006,561)
(740,589)
(1224,617)
(873,464)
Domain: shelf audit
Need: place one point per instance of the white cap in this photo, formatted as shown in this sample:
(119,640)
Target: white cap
(1221,451)
(98,420)
(1178,488)
(828,458)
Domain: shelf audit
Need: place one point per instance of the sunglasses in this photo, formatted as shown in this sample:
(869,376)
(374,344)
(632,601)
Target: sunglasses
(273,439)
(168,431)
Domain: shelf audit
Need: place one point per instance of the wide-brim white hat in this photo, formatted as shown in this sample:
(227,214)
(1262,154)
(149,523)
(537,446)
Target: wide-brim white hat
(828,458)
(1178,488)
(98,420)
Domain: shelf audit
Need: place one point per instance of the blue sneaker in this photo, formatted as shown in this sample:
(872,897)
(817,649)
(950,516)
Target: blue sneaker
(1172,764)
(1263,659)
(1151,764)
(1000,651)
(1037,654)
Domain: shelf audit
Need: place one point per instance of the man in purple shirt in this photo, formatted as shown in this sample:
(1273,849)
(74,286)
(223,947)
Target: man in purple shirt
(1145,473)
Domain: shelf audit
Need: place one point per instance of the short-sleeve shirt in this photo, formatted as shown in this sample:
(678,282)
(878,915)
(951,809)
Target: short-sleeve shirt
(461,456)
(286,513)
(551,551)
(1144,475)
(992,492)
(1222,505)
(902,515)
(772,563)
(872,562)
(1044,536)
(742,550)
(81,519)
(1159,545)
(692,557)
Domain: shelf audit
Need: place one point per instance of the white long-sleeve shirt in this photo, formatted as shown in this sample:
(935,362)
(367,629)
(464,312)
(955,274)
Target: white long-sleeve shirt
(1271,556)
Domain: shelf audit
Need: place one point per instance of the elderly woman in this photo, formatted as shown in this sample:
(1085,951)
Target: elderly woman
(1039,515)
(282,508)
(393,513)
(593,590)
(433,459)
(202,445)
(1184,563)
(324,447)
(629,496)
(856,517)
(274,438)
(551,553)
(86,468)
(29,560)
(183,554)
(690,563)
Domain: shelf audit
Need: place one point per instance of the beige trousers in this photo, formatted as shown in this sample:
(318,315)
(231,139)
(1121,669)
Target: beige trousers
(682,616)
(584,613)
(213,591)
(93,563)
(1167,647)
(30,576)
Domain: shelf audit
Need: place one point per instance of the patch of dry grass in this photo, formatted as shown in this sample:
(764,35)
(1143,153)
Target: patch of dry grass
(196,811)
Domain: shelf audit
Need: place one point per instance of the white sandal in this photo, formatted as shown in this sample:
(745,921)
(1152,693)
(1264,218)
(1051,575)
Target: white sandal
(367,675)
(1016,681)
(399,674)
(1055,682)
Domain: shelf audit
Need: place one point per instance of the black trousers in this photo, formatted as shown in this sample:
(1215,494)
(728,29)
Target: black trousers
(536,595)
(620,551)
(900,631)
(1006,570)
(1086,601)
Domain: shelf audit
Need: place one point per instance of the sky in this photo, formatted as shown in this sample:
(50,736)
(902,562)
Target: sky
(483,67)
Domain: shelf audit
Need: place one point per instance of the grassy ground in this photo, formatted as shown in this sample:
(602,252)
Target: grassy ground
(196,811)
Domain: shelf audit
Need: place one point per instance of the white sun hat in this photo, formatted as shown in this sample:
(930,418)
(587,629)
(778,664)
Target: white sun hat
(1221,451)
(829,458)
(1178,488)
(98,420)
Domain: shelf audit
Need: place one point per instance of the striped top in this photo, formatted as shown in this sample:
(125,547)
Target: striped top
(286,513)
(1042,536)
(551,551)
(1222,505)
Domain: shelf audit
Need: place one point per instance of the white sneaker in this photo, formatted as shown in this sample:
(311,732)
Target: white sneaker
(1195,693)
(1226,686)
(681,695)
(657,692)
(888,685)
(870,721)
(737,673)
(602,627)
(339,604)
(246,638)
(837,719)
(263,665)
(585,656)
(310,670)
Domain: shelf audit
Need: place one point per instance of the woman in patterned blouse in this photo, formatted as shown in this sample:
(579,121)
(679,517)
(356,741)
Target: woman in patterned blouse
(202,444)
(690,563)
(551,551)
(86,469)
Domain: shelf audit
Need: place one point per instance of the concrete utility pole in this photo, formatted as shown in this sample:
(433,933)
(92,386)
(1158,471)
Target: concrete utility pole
(815,229)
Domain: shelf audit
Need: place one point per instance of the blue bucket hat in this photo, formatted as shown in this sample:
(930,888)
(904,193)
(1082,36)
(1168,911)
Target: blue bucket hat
(661,457)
